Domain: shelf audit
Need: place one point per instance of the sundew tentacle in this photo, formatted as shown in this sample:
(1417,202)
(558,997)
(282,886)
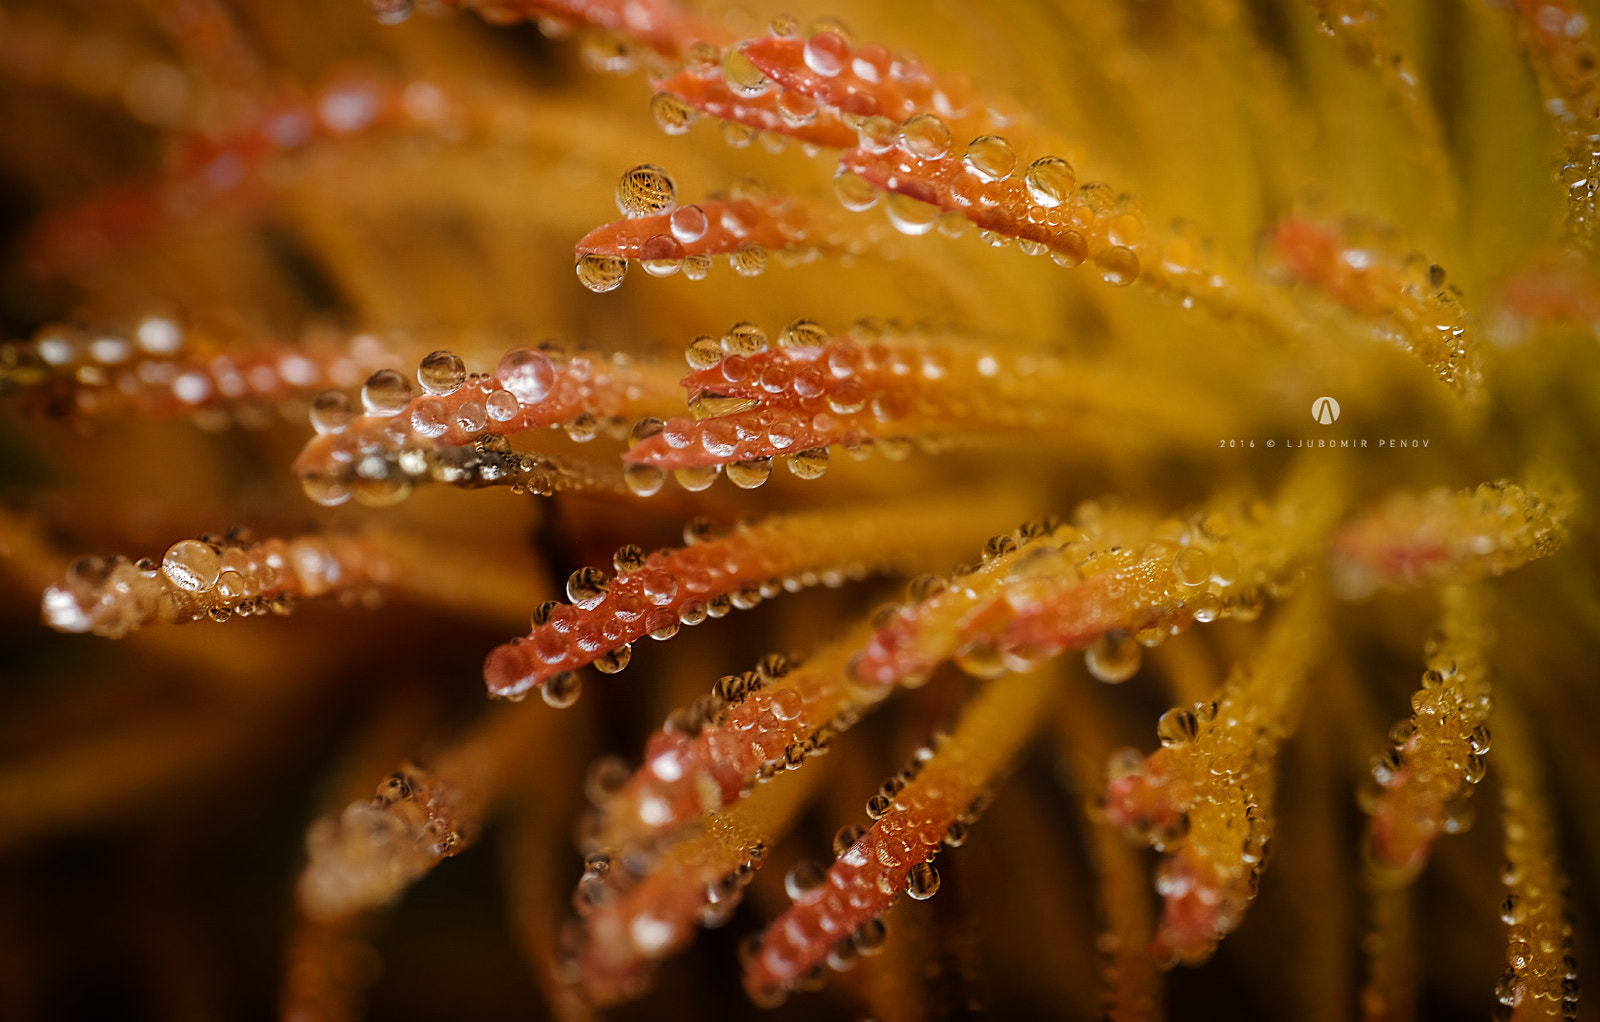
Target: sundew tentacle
(214,578)
(1447,537)
(1424,782)
(1205,798)
(632,920)
(654,595)
(161,365)
(454,431)
(1541,978)
(931,809)
(754,400)
(1070,587)
(1405,302)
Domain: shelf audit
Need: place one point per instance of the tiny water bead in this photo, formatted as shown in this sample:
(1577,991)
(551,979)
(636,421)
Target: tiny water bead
(689,223)
(826,53)
(671,113)
(601,273)
(855,192)
(1114,657)
(922,882)
(1050,181)
(645,191)
(192,566)
(385,393)
(442,373)
(925,136)
(661,255)
(911,216)
(749,261)
(1118,266)
(990,158)
(331,412)
(527,374)
(562,690)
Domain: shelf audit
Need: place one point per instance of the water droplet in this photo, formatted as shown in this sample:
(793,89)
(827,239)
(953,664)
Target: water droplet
(672,114)
(327,490)
(430,417)
(749,474)
(804,882)
(749,261)
(386,392)
(1049,180)
(615,660)
(744,339)
(855,192)
(826,53)
(391,12)
(1177,727)
(695,478)
(877,134)
(922,882)
(587,587)
(1114,657)
(869,940)
(742,74)
(644,480)
(331,411)
(925,136)
(911,216)
(1119,267)
(990,158)
(661,255)
(562,690)
(192,566)
(809,464)
(442,372)
(600,273)
(527,374)
(1192,566)
(803,333)
(689,223)
(645,191)
(955,835)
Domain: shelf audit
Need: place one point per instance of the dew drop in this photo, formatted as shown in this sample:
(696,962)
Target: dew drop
(385,393)
(855,192)
(672,114)
(661,255)
(689,223)
(804,881)
(192,566)
(696,267)
(704,352)
(1177,727)
(442,372)
(501,406)
(803,333)
(744,338)
(645,191)
(391,12)
(430,417)
(877,134)
(644,480)
(922,882)
(1192,566)
(562,690)
(809,464)
(911,216)
(826,53)
(695,478)
(990,158)
(1118,266)
(1114,657)
(600,273)
(527,374)
(615,660)
(749,474)
(749,261)
(925,136)
(742,74)
(331,412)
(587,587)
(1049,180)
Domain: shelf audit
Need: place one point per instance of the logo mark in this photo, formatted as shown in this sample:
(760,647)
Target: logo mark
(1325,410)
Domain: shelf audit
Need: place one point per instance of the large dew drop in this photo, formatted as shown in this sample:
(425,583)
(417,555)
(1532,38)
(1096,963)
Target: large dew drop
(527,374)
(192,566)
(645,191)
(601,272)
